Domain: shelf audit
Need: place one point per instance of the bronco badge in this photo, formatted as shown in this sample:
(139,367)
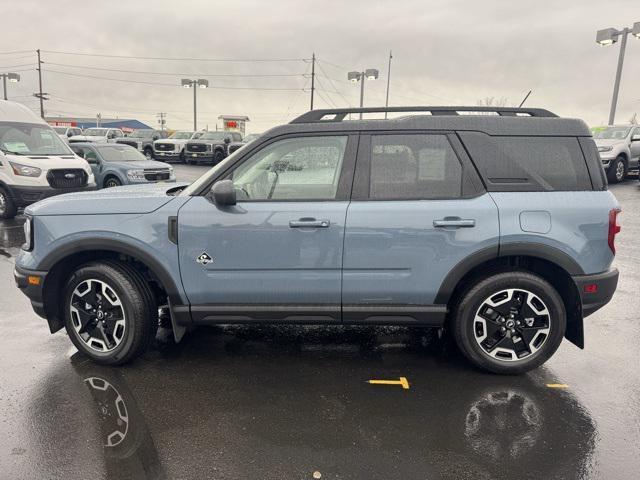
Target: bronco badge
(204,258)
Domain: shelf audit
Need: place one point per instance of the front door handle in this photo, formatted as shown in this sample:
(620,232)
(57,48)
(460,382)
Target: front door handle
(454,222)
(309,223)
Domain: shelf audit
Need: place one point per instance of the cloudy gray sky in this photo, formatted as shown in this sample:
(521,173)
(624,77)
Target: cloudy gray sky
(445,52)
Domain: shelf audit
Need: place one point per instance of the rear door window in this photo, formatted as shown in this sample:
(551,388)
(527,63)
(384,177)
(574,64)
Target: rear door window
(413,166)
(512,163)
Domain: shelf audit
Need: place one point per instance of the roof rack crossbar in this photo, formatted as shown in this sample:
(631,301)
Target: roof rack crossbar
(339,114)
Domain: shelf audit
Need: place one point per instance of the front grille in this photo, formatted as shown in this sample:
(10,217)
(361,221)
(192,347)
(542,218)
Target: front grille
(164,147)
(156,175)
(197,147)
(67,178)
(131,143)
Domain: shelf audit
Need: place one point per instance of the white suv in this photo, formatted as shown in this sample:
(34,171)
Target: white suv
(619,148)
(98,135)
(34,162)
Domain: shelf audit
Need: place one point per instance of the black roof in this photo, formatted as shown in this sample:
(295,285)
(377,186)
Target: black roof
(489,120)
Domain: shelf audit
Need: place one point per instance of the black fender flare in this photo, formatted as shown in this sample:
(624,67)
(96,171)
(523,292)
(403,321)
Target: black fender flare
(529,249)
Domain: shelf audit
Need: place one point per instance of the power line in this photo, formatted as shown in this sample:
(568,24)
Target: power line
(19,65)
(141,82)
(333,85)
(15,51)
(257,75)
(181,59)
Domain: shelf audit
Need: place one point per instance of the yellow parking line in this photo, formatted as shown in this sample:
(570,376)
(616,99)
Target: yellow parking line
(557,385)
(402,381)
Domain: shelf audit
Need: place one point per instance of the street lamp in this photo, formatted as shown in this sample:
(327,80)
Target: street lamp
(200,83)
(355,77)
(12,77)
(609,36)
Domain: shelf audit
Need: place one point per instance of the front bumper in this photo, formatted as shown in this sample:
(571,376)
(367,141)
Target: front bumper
(596,290)
(25,196)
(31,283)
(199,156)
(166,155)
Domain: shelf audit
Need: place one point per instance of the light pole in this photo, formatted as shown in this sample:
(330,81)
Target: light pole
(195,84)
(355,77)
(609,36)
(12,77)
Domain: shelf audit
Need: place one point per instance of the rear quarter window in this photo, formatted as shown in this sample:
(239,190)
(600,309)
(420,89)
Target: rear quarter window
(518,163)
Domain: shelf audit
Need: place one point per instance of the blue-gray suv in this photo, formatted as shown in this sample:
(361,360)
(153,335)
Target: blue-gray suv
(494,224)
(114,165)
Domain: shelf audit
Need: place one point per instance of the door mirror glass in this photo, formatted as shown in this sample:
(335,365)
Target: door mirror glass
(227,140)
(224,193)
(69,133)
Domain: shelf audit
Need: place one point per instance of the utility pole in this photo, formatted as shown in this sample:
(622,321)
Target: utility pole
(4,85)
(195,115)
(616,85)
(161,120)
(386,103)
(313,77)
(40,95)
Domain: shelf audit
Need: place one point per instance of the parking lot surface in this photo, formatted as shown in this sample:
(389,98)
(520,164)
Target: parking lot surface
(296,402)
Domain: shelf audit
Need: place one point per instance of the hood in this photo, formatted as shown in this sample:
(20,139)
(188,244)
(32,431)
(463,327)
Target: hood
(129,199)
(607,142)
(86,138)
(139,164)
(173,141)
(207,142)
(48,162)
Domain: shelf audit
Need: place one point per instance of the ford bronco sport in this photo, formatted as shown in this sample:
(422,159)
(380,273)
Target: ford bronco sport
(493,223)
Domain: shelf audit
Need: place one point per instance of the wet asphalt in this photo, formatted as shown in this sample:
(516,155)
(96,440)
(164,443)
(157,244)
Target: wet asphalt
(294,402)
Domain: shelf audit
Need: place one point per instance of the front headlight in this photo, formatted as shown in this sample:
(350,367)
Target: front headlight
(171,172)
(135,174)
(605,149)
(139,145)
(25,170)
(28,234)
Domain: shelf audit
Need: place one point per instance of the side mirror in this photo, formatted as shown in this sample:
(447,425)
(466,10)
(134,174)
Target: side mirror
(69,134)
(635,138)
(227,140)
(224,193)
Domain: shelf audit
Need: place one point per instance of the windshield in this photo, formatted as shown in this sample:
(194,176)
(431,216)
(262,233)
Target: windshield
(120,153)
(142,133)
(182,135)
(215,136)
(60,130)
(31,139)
(611,133)
(95,132)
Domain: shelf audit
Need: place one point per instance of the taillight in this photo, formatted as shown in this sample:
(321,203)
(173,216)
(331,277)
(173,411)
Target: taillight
(614,228)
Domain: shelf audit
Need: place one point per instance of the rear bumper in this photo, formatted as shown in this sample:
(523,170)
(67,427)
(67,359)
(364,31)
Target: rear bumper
(29,288)
(25,196)
(604,285)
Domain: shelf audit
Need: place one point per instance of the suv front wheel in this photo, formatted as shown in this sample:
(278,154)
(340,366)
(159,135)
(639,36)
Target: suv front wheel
(509,322)
(618,170)
(8,208)
(109,312)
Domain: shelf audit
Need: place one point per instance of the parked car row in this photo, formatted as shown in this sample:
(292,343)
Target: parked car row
(619,148)
(199,147)
(35,163)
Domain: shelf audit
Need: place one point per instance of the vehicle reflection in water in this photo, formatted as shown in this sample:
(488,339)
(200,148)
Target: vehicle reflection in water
(282,402)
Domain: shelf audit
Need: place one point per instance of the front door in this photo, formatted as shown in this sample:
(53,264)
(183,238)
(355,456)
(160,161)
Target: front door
(634,148)
(277,254)
(418,210)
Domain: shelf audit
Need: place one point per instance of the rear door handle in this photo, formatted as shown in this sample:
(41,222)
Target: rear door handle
(309,223)
(454,222)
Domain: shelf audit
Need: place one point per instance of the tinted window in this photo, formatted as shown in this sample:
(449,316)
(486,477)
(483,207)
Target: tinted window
(414,166)
(305,168)
(528,163)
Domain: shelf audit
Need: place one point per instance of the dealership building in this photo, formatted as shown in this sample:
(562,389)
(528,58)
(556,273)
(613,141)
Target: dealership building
(125,124)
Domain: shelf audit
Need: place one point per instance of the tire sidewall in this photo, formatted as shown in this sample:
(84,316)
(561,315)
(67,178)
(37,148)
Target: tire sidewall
(112,179)
(492,285)
(125,345)
(10,209)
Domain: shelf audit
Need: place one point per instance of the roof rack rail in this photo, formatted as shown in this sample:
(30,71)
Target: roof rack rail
(339,114)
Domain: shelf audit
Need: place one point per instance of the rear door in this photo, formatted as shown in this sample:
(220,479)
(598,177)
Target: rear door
(635,148)
(277,254)
(418,209)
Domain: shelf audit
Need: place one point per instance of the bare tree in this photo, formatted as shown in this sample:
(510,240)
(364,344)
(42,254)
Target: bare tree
(634,119)
(493,102)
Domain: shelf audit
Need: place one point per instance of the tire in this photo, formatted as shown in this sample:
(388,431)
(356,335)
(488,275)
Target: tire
(148,153)
(8,207)
(618,170)
(110,182)
(218,157)
(124,294)
(482,340)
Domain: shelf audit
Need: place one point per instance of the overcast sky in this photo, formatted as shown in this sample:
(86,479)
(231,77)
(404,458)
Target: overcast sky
(445,52)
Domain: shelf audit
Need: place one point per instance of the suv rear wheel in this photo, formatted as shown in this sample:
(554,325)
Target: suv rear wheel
(7,206)
(109,312)
(510,322)
(618,170)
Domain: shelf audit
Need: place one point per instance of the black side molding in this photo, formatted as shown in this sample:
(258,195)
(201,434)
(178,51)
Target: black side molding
(173,229)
